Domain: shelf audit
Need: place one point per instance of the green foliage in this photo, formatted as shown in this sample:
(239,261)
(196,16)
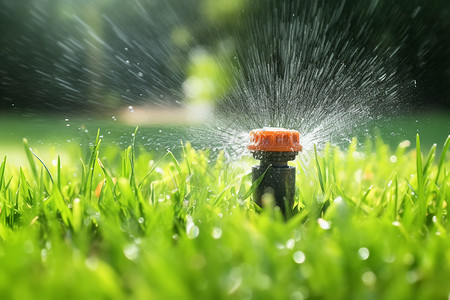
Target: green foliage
(208,78)
(372,224)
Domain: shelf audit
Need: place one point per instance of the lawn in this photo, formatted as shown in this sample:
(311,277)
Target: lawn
(371,224)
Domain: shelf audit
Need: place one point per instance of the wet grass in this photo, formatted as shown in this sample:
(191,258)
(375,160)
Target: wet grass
(371,224)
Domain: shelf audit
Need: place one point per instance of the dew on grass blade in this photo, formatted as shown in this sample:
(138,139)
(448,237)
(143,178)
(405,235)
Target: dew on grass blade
(396,223)
(290,243)
(297,295)
(413,276)
(325,225)
(44,255)
(192,230)
(389,258)
(216,233)
(369,278)
(92,262)
(363,253)
(131,251)
(299,257)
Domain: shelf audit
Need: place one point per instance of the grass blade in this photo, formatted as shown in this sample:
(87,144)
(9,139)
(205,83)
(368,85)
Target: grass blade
(175,161)
(2,172)
(43,164)
(58,173)
(29,153)
(442,159)
(88,183)
(255,184)
(429,160)
(322,187)
(364,197)
(153,169)
(132,157)
(396,197)
(420,180)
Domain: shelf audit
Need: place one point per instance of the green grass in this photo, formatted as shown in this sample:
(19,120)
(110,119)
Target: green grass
(372,224)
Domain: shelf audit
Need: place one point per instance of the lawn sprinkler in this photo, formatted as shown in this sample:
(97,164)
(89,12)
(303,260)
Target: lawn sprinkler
(274,147)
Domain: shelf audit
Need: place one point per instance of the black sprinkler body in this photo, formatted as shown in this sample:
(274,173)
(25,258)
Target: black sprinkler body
(274,147)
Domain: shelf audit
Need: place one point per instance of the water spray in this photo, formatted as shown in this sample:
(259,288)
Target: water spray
(274,147)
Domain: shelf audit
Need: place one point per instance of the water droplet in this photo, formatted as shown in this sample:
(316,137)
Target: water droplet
(114,118)
(323,224)
(338,200)
(44,255)
(396,223)
(405,143)
(389,258)
(192,230)
(299,257)
(369,278)
(280,246)
(216,233)
(297,295)
(141,220)
(363,253)
(290,243)
(130,109)
(131,251)
(68,125)
(91,262)
(126,49)
(127,61)
(412,277)
(140,74)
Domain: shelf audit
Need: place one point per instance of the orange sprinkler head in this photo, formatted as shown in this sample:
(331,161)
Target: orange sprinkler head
(274,147)
(270,139)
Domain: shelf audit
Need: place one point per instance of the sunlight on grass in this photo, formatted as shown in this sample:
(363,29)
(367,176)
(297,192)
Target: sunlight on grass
(372,223)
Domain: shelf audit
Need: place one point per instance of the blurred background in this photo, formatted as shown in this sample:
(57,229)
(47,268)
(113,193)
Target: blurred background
(69,67)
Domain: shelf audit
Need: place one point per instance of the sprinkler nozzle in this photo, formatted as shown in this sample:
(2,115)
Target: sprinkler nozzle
(274,147)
